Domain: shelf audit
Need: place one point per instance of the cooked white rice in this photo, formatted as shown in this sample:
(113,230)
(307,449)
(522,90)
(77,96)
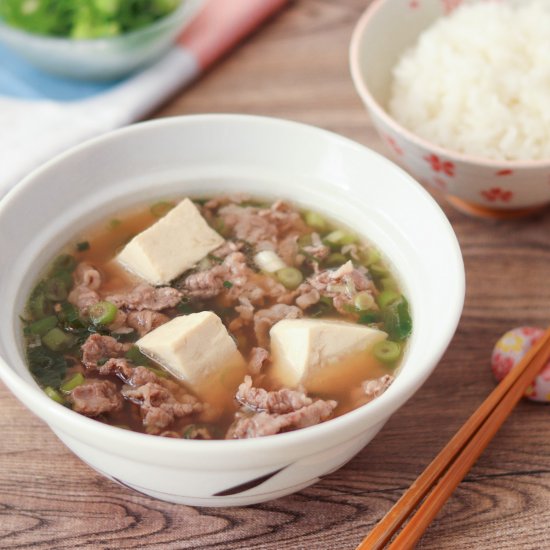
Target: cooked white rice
(478,81)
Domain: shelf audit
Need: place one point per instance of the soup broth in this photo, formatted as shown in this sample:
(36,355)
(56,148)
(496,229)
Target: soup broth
(278,262)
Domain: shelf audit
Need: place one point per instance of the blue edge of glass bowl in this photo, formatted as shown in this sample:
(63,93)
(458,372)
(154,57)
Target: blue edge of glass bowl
(19,79)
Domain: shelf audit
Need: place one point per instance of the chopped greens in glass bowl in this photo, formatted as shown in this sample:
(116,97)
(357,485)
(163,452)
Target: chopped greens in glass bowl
(93,39)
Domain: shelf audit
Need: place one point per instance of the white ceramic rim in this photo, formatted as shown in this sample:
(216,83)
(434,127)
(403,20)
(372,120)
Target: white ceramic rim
(378,410)
(370,101)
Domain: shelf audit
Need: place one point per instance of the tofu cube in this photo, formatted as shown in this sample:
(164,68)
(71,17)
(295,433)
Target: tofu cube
(317,352)
(171,246)
(195,348)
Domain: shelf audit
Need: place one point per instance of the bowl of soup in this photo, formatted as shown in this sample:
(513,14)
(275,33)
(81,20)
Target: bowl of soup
(460,103)
(218,310)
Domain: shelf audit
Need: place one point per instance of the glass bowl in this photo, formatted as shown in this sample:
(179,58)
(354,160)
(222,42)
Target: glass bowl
(101,58)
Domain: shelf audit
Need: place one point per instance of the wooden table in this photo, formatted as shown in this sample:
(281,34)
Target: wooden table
(296,67)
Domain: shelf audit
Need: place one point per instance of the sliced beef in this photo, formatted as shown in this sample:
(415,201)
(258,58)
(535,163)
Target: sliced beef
(262,225)
(97,348)
(120,367)
(158,406)
(196,432)
(141,376)
(247,224)
(263,423)
(316,249)
(87,275)
(228,247)
(256,359)
(308,298)
(96,397)
(205,284)
(87,281)
(274,402)
(266,318)
(287,249)
(342,285)
(376,387)
(83,297)
(145,296)
(119,324)
(246,286)
(146,320)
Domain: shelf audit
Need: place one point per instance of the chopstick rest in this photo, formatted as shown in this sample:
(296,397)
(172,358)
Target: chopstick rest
(510,350)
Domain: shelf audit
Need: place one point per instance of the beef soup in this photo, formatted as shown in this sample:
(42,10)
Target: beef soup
(217,318)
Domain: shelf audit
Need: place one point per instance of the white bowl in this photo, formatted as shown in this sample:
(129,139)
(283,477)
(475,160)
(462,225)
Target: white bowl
(101,58)
(474,184)
(208,154)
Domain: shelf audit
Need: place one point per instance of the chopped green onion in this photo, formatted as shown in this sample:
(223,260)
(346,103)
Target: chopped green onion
(387,351)
(39,306)
(159,372)
(323,307)
(388,283)
(335,259)
(103,313)
(57,340)
(69,314)
(55,289)
(64,262)
(387,297)
(54,394)
(369,317)
(42,326)
(339,238)
(227,284)
(315,221)
(290,277)
(161,208)
(196,431)
(370,256)
(82,246)
(184,307)
(304,240)
(114,223)
(397,320)
(219,226)
(364,301)
(77,380)
(84,19)
(135,355)
(378,270)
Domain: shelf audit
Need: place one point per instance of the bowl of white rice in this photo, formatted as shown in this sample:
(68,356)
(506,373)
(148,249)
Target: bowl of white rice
(460,92)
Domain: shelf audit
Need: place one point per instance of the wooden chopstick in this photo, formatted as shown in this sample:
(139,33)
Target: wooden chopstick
(450,466)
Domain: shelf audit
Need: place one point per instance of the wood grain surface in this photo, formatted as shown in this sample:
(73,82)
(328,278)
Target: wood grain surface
(296,67)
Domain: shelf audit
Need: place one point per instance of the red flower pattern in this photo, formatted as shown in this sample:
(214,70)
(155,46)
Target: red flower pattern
(394,145)
(506,172)
(545,374)
(451,5)
(501,366)
(440,183)
(439,165)
(497,194)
